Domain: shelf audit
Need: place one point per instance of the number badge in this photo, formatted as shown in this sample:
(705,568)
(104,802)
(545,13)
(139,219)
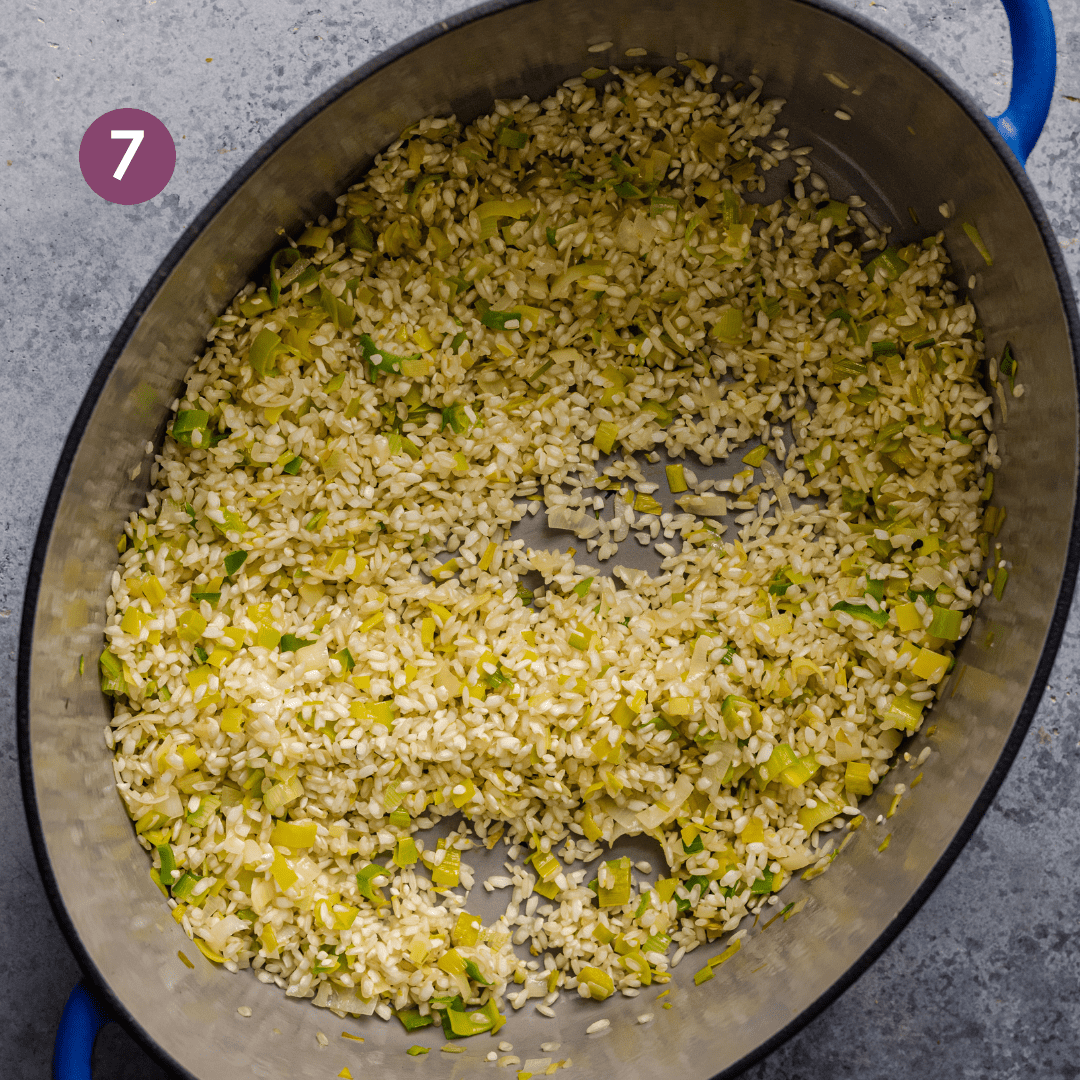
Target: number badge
(127,156)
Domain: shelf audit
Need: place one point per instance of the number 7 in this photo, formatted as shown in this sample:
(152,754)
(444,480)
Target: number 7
(136,138)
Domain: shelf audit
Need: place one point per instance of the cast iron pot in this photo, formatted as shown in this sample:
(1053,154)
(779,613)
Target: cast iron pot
(913,140)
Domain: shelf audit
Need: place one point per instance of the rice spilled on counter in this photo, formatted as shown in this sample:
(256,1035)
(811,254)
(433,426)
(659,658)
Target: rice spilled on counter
(319,639)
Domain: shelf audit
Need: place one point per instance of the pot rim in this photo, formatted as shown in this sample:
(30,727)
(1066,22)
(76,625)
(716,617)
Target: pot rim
(1055,628)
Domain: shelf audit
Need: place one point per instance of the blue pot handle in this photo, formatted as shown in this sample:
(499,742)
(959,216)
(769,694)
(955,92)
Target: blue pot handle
(82,1019)
(1034,51)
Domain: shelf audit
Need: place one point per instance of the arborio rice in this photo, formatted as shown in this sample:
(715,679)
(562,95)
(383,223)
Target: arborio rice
(319,638)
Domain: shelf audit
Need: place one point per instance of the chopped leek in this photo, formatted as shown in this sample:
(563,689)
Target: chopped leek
(980,245)
(614,883)
(857,778)
(811,817)
(290,643)
(606,434)
(293,834)
(599,983)
(233,561)
(112,673)
(676,480)
(756,456)
(861,611)
(358,234)
(736,709)
(412,1020)
(888,263)
(261,355)
(945,623)
(191,428)
(364,881)
(379,361)
(904,712)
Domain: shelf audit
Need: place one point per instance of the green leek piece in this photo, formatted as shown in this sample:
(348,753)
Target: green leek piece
(457,341)
(763,884)
(804,768)
(185,885)
(233,561)
(345,659)
(993,519)
(780,759)
(416,1051)
(606,434)
(287,259)
(980,246)
(663,414)
(447,875)
(292,468)
(290,643)
(200,818)
(734,708)
(1008,366)
(619,893)
(729,327)
(811,817)
(676,481)
(853,500)
(406,853)
(514,140)
(945,623)
(112,674)
(694,846)
(904,713)
(358,234)
(314,236)
(191,428)
(1000,580)
(819,459)
(755,457)
(600,983)
(457,419)
(498,320)
(200,654)
(411,1019)
(888,262)
(658,943)
(847,369)
(857,778)
(583,586)
(168,865)
(866,395)
(189,626)
(884,348)
(704,975)
(254,305)
(341,314)
(838,211)
(861,611)
(379,361)
(646,504)
(364,879)
(263,349)
(460,1022)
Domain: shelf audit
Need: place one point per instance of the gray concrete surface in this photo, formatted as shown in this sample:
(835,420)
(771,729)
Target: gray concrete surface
(985,982)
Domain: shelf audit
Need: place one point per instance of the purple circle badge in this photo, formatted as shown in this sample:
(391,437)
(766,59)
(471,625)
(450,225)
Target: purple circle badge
(127,156)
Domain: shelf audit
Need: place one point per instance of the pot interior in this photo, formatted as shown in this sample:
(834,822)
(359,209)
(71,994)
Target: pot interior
(908,143)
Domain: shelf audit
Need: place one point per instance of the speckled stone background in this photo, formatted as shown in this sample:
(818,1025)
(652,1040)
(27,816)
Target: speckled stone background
(985,981)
